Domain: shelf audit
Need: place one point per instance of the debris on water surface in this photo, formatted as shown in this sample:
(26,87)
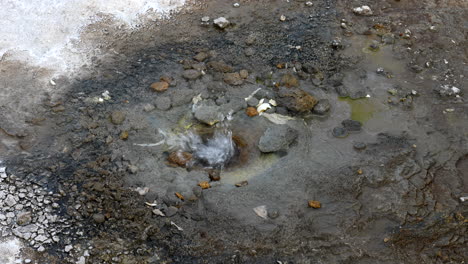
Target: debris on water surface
(314,204)
(180,196)
(178,227)
(261,211)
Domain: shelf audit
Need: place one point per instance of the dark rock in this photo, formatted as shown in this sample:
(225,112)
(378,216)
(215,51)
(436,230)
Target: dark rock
(359,145)
(249,52)
(340,132)
(296,99)
(117,117)
(336,79)
(277,138)
(199,66)
(273,213)
(163,103)
(191,74)
(322,107)
(281,110)
(171,211)
(310,68)
(352,125)
(99,218)
(252,102)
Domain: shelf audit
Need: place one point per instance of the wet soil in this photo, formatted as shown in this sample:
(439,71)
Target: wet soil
(396,201)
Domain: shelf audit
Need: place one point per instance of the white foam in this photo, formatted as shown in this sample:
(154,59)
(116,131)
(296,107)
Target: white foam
(43,32)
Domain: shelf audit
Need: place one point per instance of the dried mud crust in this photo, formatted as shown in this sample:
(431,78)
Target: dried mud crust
(395,201)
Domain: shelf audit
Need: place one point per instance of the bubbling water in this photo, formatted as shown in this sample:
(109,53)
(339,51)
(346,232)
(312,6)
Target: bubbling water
(210,150)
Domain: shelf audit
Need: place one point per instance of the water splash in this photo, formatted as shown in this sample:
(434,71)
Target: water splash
(213,150)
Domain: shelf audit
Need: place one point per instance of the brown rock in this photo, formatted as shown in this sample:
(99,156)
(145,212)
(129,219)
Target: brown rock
(296,99)
(159,86)
(244,74)
(233,78)
(251,111)
(124,135)
(220,66)
(167,79)
(242,184)
(179,158)
(201,56)
(204,185)
(289,81)
(214,175)
(315,204)
(180,196)
(117,117)
(280,65)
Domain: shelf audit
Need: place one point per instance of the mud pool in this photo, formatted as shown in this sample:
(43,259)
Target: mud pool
(296,132)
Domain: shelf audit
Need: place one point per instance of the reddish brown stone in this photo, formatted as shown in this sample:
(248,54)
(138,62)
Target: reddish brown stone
(251,111)
(179,158)
(160,86)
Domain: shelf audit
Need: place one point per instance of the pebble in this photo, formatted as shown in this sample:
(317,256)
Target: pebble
(41,249)
(273,213)
(163,103)
(205,19)
(340,132)
(201,56)
(314,204)
(322,107)
(24,218)
(244,74)
(233,78)
(191,74)
(148,107)
(251,111)
(117,117)
(171,211)
(68,248)
(359,145)
(160,86)
(249,52)
(282,18)
(221,22)
(99,218)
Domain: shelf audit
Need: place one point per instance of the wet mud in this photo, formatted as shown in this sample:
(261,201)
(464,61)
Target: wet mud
(390,189)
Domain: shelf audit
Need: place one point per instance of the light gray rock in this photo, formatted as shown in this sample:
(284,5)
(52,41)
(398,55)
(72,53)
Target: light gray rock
(207,113)
(163,103)
(277,138)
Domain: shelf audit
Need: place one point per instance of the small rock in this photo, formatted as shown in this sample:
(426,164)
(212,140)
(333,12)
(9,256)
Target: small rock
(261,211)
(214,175)
(68,248)
(374,46)
(132,169)
(342,91)
(322,107)
(221,22)
(277,138)
(204,185)
(205,19)
(201,56)
(41,249)
(163,103)
(314,204)
(220,66)
(179,158)
(388,38)
(249,52)
(171,211)
(148,107)
(10,200)
(99,218)
(208,113)
(340,132)
(359,145)
(296,99)
(236,5)
(352,125)
(244,74)
(24,218)
(191,74)
(124,135)
(242,184)
(363,11)
(160,86)
(289,80)
(252,102)
(273,213)
(117,117)
(233,78)
(282,18)
(251,111)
